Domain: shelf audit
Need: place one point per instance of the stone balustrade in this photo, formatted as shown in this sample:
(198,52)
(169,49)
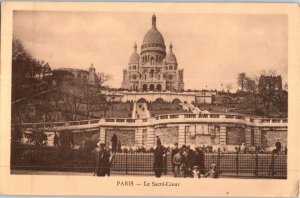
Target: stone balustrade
(163,119)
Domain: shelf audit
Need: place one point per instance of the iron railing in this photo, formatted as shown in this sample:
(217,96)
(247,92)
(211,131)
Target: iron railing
(268,165)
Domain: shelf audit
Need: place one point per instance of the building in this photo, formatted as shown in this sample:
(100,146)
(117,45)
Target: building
(272,84)
(153,69)
(81,76)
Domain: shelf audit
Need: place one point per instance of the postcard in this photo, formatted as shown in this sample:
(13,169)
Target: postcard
(153,99)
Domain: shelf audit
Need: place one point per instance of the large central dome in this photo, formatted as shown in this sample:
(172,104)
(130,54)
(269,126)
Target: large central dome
(153,39)
(153,36)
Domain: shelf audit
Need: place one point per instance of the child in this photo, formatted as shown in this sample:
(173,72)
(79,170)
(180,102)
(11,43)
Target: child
(196,172)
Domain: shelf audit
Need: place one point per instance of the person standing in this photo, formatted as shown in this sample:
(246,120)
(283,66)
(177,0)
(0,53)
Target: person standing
(119,146)
(200,160)
(56,139)
(114,143)
(178,161)
(103,162)
(174,151)
(158,142)
(158,165)
(278,146)
(243,148)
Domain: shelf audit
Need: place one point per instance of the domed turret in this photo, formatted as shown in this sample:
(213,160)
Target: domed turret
(135,57)
(171,58)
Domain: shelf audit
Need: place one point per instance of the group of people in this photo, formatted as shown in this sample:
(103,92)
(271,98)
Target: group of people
(103,160)
(186,162)
(244,149)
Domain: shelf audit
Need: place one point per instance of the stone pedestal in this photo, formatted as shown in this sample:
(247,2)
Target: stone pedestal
(150,141)
(139,137)
(257,137)
(102,135)
(181,135)
(248,136)
(223,135)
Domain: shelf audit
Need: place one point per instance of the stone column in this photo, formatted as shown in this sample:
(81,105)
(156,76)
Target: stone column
(150,141)
(247,136)
(102,135)
(181,135)
(257,136)
(223,135)
(138,137)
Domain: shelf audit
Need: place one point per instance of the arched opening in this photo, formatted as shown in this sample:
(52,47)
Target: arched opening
(151,88)
(176,101)
(152,61)
(158,88)
(145,87)
(151,73)
(159,100)
(142,100)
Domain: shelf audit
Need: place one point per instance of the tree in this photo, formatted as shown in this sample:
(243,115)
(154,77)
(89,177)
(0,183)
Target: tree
(241,80)
(25,70)
(229,87)
(103,78)
(269,91)
(72,98)
(251,88)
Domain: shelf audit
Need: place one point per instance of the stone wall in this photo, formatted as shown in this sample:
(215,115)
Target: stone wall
(127,137)
(269,138)
(83,138)
(152,96)
(167,135)
(235,135)
(203,140)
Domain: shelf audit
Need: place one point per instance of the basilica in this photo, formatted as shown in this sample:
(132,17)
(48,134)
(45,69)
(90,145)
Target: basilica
(153,69)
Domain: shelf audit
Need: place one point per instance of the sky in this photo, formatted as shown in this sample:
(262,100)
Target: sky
(211,48)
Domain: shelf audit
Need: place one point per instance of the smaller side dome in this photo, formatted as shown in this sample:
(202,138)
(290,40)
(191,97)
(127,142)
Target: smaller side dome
(135,57)
(92,67)
(171,58)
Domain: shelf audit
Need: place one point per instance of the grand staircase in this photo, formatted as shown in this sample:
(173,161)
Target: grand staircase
(140,110)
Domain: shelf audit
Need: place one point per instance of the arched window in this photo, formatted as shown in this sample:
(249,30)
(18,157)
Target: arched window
(145,87)
(158,87)
(151,88)
(152,61)
(151,73)
(156,58)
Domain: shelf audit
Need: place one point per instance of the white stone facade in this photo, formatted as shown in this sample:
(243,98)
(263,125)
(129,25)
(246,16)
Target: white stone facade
(153,69)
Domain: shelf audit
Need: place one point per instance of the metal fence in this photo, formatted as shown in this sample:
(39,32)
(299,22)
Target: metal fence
(228,164)
(249,165)
(269,165)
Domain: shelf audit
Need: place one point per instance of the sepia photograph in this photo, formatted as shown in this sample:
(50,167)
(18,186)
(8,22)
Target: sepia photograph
(156,94)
